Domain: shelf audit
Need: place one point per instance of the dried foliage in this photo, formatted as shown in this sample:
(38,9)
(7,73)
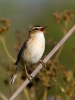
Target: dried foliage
(4,26)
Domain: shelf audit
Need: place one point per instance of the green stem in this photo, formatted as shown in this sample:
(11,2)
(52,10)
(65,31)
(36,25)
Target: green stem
(6,50)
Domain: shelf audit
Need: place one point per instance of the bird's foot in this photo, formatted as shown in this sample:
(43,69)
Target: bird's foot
(42,62)
(29,77)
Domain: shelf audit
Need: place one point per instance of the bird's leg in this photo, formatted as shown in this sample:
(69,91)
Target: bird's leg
(42,62)
(28,76)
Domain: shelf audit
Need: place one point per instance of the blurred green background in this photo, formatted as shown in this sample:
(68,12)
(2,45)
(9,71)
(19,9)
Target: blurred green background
(26,13)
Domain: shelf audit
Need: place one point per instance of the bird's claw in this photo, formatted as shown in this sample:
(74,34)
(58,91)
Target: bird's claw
(41,61)
(29,77)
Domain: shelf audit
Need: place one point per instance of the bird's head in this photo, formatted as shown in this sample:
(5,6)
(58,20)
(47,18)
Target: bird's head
(37,30)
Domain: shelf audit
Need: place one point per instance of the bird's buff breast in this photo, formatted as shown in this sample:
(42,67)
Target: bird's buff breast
(33,53)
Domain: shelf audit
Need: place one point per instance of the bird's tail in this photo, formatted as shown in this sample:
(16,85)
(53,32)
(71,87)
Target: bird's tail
(13,78)
(17,71)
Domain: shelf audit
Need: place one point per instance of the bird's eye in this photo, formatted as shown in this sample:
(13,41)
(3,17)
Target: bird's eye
(36,29)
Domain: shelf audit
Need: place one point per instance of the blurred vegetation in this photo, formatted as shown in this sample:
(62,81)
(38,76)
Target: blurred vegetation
(57,79)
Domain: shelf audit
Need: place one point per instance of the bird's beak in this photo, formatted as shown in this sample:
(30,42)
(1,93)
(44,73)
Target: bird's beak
(43,28)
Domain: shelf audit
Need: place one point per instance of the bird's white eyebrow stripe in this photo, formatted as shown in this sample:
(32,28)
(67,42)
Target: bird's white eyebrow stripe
(36,27)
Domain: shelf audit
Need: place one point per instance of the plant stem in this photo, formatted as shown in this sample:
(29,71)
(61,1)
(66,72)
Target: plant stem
(27,94)
(2,96)
(59,52)
(6,50)
(45,94)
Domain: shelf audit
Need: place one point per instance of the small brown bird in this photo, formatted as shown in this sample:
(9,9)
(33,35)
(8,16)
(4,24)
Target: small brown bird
(31,51)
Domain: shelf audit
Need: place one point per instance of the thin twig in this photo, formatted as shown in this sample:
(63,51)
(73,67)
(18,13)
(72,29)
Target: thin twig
(45,60)
(2,96)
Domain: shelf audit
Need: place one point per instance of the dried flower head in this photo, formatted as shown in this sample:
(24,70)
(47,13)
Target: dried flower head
(4,26)
(63,19)
(57,17)
(68,15)
(73,85)
(68,92)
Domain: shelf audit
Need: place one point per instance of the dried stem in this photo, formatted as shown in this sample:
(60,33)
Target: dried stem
(2,96)
(45,60)
(45,94)
(9,87)
(6,50)
(59,51)
(27,94)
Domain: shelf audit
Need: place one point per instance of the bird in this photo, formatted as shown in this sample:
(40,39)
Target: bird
(31,51)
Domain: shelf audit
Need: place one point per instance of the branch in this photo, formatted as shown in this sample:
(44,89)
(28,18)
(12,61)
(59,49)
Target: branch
(45,60)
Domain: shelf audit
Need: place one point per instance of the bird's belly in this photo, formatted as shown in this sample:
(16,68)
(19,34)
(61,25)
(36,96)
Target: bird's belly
(33,53)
